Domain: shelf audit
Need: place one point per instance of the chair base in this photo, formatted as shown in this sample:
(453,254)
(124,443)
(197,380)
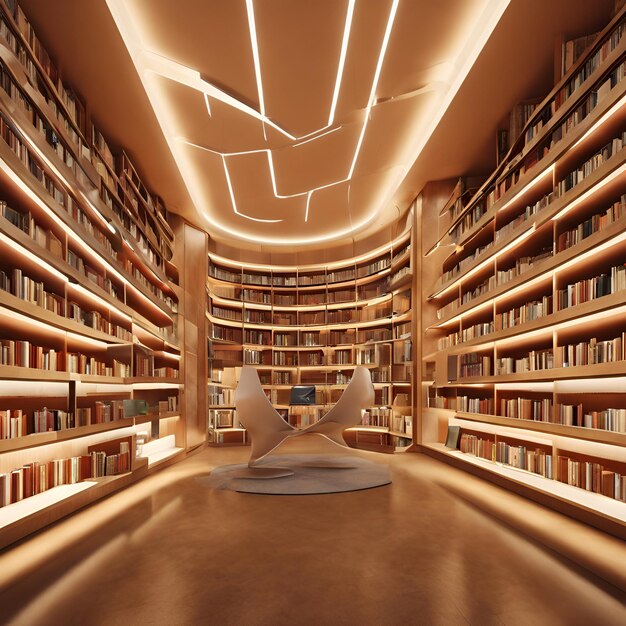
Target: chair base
(262,473)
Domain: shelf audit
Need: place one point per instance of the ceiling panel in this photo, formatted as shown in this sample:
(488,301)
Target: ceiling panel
(368,28)
(314,164)
(209,37)
(299,49)
(299,46)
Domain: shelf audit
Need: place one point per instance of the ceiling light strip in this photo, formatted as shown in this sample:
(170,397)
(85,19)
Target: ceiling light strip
(255,54)
(342,60)
(379,65)
(232,197)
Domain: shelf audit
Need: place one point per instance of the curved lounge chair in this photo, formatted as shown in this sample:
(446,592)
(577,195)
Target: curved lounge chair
(268,429)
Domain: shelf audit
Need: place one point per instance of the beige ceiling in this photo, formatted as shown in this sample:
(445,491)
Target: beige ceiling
(149,87)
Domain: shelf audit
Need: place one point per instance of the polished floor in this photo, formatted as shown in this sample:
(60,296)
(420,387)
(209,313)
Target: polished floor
(169,550)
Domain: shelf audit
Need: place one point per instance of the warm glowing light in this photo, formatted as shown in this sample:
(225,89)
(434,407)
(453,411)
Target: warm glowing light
(150,63)
(528,187)
(232,196)
(379,66)
(97,299)
(487,261)
(293,268)
(614,109)
(255,54)
(328,132)
(342,60)
(94,342)
(28,254)
(605,181)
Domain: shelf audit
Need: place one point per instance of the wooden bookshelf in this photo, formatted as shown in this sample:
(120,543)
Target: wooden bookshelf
(523,300)
(89,352)
(312,325)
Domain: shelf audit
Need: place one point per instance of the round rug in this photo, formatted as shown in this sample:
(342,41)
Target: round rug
(310,474)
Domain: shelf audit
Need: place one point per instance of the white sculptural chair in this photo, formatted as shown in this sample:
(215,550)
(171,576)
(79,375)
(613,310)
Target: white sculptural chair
(267,429)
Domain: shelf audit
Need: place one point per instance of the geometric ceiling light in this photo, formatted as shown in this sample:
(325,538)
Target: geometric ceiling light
(316,134)
(153,67)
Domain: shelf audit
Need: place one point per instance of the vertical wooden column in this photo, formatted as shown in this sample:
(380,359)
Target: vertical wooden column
(191,258)
(417,328)
(426,228)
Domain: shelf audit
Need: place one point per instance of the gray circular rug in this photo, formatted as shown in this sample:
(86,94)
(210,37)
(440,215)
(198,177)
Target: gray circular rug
(292,475)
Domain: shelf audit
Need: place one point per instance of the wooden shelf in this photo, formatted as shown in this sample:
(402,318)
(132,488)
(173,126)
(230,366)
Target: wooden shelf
(55,189)
(492,234)
(225,293)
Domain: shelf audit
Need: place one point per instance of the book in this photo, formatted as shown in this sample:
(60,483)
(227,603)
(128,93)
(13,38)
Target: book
(452,438)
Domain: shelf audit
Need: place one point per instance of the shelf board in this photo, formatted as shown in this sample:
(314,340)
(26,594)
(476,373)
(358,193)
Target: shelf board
(22,518)
(397,433)
(11,372)
(599,370)
(152,379)
(562,430)
(369,429)
(38,439)
(608,508)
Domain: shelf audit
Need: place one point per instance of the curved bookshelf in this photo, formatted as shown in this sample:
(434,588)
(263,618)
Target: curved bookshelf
(312,325)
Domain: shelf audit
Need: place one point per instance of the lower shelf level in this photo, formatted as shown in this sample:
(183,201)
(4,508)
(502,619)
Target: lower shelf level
(592,508)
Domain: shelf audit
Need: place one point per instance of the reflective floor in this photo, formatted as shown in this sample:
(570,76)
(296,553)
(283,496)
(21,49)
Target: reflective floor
(168,550)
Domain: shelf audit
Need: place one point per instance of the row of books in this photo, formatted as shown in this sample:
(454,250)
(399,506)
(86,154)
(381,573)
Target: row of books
(530,210)
(592,288)
(588,475)
(591,225)
(71,111)
(77,363)
(535,360)
(35,477)
(46,238)
(223,418)
(588,103)
(468,404)
(282,378)
(487,285)
(402,424)
(20,353)
(474,364)
(29,290)
(590,165)
(465,262)
(143,365)
(221,396)
(590,66)
(465,334)
(302,279)
(97,278)
(527,409)
(27,224)
(16,423)
(165,371)
(592,476)
(522,265)
(64,105)
(613,420)
(522,114)
(592,351)
(527,312)
(536,461)
(376,416)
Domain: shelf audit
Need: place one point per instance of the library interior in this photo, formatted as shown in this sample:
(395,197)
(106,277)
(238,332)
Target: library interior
(395,227)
